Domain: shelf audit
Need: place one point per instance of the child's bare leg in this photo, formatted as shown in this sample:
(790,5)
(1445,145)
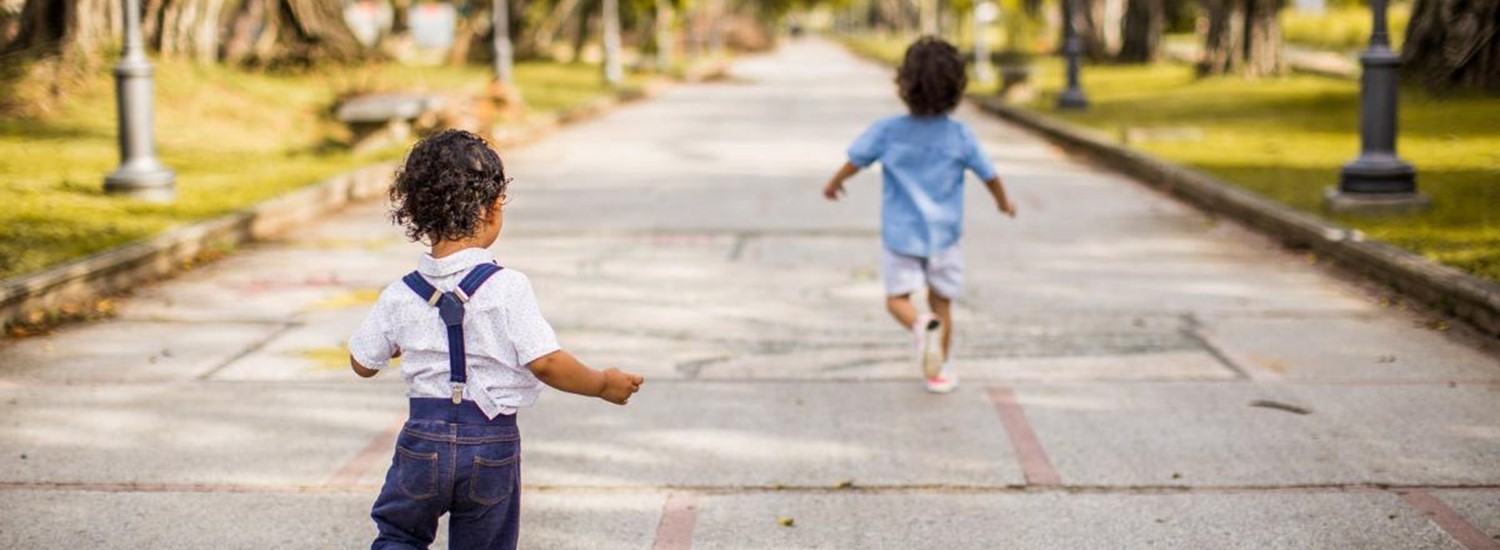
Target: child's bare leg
(942,308)
(902,310)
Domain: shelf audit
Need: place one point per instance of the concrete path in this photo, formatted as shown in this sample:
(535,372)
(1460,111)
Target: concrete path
(1130,367)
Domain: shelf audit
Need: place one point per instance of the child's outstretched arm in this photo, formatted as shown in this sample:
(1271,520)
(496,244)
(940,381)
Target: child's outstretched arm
(998,190)
(366,372)
(835,187)
(561,370)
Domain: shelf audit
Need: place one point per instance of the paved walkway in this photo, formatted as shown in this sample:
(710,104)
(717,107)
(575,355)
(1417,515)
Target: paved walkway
(1115,346)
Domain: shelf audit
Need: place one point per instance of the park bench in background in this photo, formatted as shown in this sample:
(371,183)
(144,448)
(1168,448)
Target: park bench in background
(383,119)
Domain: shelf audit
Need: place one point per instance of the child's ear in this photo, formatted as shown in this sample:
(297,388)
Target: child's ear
(497,207)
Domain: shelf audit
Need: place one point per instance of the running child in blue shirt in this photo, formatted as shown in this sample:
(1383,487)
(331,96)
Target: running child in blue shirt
(475,349)
(923,156)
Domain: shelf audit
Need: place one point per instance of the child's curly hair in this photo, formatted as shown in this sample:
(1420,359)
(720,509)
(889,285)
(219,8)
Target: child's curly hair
(447,183)
(932,77)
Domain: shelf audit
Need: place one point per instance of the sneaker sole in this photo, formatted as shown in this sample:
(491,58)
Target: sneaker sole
(941,389)
(932,351)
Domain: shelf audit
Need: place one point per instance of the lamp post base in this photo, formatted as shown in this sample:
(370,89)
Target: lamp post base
(1376,184)
(1374,204)
(148,183)
(1072,100)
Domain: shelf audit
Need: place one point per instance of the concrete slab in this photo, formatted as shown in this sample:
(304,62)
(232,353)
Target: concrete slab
(898,364)
(1064,520)
(106,520)
(314,349)
(84,519)
(131,351)
(1392,347)
(201,432)
(735,434)
(1208,434)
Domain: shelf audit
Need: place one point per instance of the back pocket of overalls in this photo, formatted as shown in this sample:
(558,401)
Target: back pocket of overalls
(416,473)
(493,480)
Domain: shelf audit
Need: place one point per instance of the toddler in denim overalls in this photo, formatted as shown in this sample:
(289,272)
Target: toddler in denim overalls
(474,349)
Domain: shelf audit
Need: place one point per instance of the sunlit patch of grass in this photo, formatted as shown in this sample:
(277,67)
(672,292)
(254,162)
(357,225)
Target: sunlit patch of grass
(234,138)
(1287,139)
(1341,28)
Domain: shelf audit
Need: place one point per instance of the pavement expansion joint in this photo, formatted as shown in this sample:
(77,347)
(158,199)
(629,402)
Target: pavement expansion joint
(255,346)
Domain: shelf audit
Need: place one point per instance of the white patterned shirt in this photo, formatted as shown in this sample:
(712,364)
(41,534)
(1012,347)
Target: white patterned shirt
(503,332)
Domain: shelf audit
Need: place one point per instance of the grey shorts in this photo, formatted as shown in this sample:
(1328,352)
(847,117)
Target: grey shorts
(943,273)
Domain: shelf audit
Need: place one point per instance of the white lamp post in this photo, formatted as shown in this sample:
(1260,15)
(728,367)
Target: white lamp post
(985,13)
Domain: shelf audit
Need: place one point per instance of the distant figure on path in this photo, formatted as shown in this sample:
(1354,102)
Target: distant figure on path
(475,348)
(923,156)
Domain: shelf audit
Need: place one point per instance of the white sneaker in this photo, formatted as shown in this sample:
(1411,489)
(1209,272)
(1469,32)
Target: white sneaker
(945,382)
(929,332)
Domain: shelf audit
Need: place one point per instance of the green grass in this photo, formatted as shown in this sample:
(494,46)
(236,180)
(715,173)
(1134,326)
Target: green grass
(1287,138)
(1341,28)
(233,137)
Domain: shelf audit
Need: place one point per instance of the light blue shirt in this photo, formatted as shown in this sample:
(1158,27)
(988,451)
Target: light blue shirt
(923,160)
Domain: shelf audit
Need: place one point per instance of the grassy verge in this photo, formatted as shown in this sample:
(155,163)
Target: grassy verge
(1287,138)
(1341,29)
(233,137)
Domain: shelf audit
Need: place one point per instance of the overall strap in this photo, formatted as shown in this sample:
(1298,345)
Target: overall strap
(451,309)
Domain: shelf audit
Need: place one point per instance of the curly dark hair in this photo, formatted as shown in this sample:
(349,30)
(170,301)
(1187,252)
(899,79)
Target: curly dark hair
(447,183)
(932,77)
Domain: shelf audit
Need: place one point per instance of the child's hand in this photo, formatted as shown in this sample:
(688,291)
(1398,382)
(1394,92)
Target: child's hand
(619,386)
(1007,208)
(833,190)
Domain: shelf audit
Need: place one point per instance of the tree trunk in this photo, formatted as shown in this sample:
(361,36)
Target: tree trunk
(185,28)
(400,16)
(74,29)
(304,32)
(240,43)
(1263,38)
(1244,37)
(1223,41)
(1142,30)
(1088,23)
(584,26)
(547,30)
(1454,44)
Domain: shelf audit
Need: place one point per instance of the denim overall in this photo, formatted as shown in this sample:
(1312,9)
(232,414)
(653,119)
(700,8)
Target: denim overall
(450,458)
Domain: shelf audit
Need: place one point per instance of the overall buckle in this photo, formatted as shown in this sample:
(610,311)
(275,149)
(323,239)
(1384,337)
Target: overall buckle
(458,393)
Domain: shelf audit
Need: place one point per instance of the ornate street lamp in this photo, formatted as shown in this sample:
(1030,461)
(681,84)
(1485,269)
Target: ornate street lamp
(1377,181)
(1072,99)
(140,174)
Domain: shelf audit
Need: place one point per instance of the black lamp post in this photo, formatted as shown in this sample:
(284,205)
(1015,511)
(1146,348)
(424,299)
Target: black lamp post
(140,174)
(1377,181)
(1072,99)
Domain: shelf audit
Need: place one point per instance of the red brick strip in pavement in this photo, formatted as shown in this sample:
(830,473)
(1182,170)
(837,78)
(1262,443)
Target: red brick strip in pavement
(1465,533)
(678,517)
(379,448)
(1034,462)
